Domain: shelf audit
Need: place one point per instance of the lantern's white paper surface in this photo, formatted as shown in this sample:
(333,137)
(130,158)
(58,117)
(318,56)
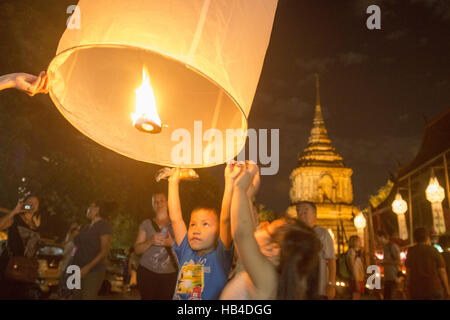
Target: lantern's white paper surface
(438,218)
(204,59)
(402,230)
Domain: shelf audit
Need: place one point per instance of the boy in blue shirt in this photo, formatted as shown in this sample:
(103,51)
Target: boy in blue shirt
(204,251)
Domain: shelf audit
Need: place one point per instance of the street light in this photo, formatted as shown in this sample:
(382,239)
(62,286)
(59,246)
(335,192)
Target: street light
(399,207)
(435,194)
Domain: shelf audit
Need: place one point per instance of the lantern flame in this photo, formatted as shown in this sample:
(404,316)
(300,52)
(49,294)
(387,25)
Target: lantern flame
(146,117)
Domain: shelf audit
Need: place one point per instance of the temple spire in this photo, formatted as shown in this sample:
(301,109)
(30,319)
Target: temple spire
(318,117)
(317,90)
(319,150)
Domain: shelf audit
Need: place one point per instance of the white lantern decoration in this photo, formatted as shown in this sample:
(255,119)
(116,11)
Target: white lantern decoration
(163,81)
(360,224)
(360,221)
(399,207)
(436,194)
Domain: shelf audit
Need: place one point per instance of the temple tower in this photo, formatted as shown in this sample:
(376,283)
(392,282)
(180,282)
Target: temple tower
(321,177)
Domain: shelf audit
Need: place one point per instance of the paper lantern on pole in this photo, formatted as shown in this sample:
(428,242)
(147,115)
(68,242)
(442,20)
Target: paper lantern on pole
(436,194)
(399,207)
(360,224)
(201,59)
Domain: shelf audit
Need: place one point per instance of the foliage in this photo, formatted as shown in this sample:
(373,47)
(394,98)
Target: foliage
(266,214)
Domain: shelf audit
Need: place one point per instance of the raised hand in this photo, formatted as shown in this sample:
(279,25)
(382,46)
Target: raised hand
(18,208)
(176,176)
(232,170)
(246,175)
(254,187)
(31,84)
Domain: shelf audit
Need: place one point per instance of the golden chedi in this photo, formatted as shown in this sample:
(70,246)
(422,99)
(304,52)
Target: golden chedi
(322,178)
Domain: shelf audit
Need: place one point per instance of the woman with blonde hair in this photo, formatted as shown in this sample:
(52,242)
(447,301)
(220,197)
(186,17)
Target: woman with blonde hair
(356,267)
(297,249)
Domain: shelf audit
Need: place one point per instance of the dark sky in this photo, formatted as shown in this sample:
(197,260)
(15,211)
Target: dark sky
(376,86)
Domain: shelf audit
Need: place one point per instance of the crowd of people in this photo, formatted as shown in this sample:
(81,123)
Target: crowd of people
(217,255)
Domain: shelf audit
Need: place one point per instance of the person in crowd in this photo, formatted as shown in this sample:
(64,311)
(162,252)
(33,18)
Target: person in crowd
(69,244)
(240,286)
(157,271)
(128,269)
(25,82)
(92,246)
(298,248)
(204,250)
(323,281)
(444,242)
(426,274)
(391,264)
(63,291)
(356,267)
(22,224)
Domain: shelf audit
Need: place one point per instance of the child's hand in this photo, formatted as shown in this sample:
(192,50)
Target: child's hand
(246,175)
(31,84)
(254,187)
(176,176)
(231,172)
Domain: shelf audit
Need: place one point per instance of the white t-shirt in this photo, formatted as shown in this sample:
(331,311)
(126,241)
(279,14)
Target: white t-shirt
(326,253)
(359,267)
(240,287)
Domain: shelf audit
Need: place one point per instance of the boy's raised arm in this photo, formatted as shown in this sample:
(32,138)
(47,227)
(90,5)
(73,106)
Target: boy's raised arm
(175,214)
(259,268)
(231,172)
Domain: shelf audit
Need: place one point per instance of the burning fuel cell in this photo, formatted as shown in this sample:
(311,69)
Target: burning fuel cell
(185,174)
(146,118)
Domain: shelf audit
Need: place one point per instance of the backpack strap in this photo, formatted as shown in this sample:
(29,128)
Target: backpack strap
(173,260)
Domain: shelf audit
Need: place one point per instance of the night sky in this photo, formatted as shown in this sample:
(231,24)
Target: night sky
(377,86)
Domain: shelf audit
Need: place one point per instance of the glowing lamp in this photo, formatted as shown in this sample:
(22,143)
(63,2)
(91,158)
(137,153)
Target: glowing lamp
(379,255)
(399,206)
(203,59)
(360,224)
(434,191)
(435,194)
(360,221)
(403,255)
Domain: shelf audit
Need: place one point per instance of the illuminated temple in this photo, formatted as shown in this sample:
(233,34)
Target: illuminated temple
(321,177)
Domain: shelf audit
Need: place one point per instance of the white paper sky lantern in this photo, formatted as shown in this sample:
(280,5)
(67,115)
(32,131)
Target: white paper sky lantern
(202,59)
